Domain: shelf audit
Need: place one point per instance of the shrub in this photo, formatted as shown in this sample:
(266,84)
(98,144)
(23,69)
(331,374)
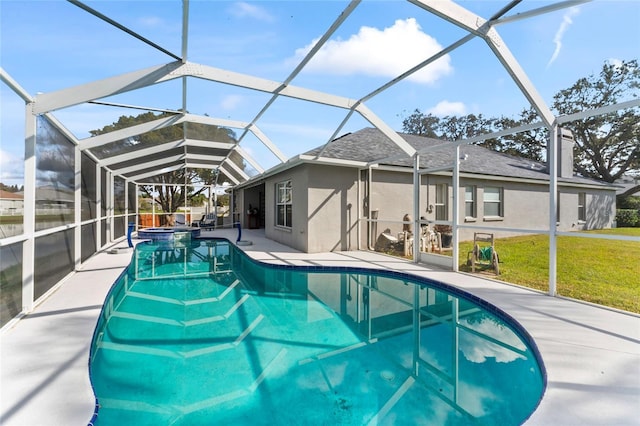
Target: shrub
(627,218)
(629,202)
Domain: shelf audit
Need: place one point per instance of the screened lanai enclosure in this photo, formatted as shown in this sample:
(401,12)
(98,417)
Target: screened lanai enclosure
(148,113)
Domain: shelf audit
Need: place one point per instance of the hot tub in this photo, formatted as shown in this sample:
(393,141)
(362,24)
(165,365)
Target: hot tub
(178,233)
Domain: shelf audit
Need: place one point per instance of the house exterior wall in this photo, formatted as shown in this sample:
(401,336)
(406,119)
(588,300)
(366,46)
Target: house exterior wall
(392,197)
(11,206)
(524,205)
(332,208)
(296,235)
(600,209)
(326,206)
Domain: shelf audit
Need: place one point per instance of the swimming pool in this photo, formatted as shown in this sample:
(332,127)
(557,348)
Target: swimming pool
(201,334)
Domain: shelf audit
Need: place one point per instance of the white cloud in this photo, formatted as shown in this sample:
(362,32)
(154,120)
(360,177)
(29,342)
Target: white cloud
(246,10)
(387,53)
(475,399)
(477,350)
(11,169)
(564,26)
(231,102)
(615,62)
(152,21)
(445,108)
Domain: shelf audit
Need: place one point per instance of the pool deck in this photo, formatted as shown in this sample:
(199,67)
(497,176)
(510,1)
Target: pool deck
(591,354)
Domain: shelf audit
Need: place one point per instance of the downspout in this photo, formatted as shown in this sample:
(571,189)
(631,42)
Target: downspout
(370,224)
(358,208)
(416,208)
(456,206)
(98,200)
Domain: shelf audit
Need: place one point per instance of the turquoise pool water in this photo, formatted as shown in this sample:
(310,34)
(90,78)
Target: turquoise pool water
(197,333)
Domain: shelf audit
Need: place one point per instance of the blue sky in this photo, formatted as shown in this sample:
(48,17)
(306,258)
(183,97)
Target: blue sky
(51,45)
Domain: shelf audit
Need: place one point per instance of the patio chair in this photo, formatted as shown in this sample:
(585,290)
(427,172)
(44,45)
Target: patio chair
(196,223)
(208,221)
(180,219)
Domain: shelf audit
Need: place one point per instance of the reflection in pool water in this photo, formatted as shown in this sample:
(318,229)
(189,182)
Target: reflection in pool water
(198,333)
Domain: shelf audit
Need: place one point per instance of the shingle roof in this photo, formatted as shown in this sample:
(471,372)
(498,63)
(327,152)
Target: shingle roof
(371,145)
(6,195)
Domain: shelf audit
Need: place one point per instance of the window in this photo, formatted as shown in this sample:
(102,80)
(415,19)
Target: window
(284,198)
(442,192)
(582,206)
(470,202)
(493,201)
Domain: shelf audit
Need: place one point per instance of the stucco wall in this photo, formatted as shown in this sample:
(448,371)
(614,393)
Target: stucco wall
(296,236)
(525,205)
(392,197)
(332,208)
(600,209)
(326,206)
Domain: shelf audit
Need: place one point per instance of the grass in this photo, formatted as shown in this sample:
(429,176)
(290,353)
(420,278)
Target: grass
(605,272)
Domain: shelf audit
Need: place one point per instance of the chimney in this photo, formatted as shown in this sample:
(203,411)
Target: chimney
(565,153)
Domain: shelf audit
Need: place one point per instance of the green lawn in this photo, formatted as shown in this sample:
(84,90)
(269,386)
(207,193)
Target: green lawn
(599,271)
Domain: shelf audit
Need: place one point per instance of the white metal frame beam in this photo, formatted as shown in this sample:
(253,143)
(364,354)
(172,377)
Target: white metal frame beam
(129,132)
(149,164)
(144,152)
(479,26)
(141,153)
(15,86)
(155,172)
(237,169)
(229,175)
(47,102)
(249,159)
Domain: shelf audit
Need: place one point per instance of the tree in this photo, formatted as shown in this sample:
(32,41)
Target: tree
(607,146)
(11,188)
(528,144)
(169,189)
(457,128)
(531,144)
(421,124)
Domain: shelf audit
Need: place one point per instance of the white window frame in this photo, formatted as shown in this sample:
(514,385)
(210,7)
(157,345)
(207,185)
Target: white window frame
(471,198)
(492,201)
(582,207)
(441,202)
(283,202)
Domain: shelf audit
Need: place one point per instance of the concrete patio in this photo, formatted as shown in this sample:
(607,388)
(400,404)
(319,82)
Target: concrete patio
(591,354)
